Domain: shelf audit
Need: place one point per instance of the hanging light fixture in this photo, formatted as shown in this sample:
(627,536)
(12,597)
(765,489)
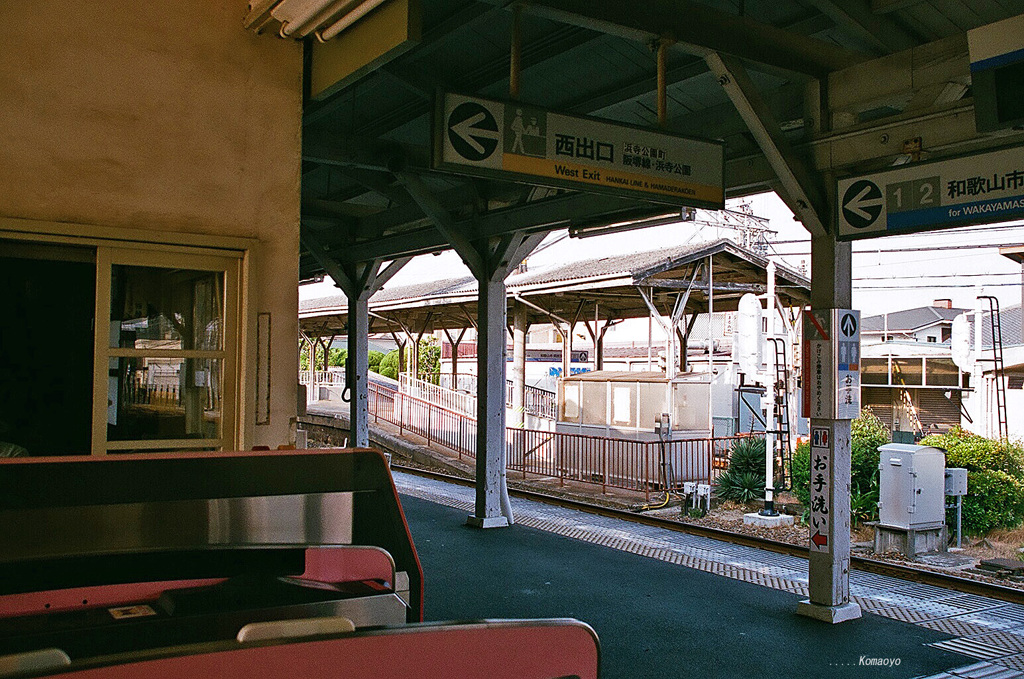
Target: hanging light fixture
(348,19)
(300,18)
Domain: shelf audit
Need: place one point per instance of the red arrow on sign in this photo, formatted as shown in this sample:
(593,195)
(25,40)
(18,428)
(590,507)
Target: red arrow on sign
(819,540)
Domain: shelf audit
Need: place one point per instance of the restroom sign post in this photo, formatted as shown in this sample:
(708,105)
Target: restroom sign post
(831,365)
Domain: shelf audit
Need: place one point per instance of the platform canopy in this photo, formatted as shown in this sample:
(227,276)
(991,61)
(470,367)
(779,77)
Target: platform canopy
(404,151)
(798,91)
(606,288)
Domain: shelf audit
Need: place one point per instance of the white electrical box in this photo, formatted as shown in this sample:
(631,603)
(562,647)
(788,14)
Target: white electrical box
(956,481)
(911,485)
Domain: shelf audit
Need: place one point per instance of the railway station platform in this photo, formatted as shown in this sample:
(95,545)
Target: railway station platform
(669,604)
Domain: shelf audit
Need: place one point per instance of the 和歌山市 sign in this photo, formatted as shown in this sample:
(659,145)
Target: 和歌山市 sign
(510,140)
(976,189)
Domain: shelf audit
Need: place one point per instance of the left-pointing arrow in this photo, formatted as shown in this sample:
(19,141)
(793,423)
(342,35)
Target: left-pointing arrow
(471,134)
(819,540)
(473,131)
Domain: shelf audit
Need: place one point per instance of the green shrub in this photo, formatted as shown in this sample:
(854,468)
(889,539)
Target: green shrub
(801,470)
(864,504)
(867,433)
(304,359)
(994,500)
(995,478)
(742,487)
(429,358)
(337,357)
(389,365)
(966,449)
(995,474)
(747,456)
(744,479)
(374,358)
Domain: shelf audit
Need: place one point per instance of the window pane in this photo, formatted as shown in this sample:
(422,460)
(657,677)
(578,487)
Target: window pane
(906,371)
(623,404)
(163,398)
(874,370)
(155,308)
(690,410)
(570,402)
(594,402)
(942,372)
(653,402)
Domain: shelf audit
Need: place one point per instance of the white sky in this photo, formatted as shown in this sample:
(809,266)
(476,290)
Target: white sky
(883,281)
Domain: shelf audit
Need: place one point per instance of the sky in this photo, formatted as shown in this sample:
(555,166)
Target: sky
(889,274)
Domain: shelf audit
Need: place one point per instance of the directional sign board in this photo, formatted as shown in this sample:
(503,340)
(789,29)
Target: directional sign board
(513,141)
(976,189)
(847,322)
(820,509)
(831,385)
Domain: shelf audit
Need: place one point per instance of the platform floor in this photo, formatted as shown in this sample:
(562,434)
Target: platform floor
(668,604)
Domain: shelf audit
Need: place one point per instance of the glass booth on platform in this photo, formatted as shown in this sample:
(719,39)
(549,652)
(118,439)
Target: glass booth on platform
(626,404)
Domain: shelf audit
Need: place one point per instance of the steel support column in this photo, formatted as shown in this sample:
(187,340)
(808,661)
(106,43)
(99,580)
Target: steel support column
(358,363)
(491,260)
(493,509)
(519,329)
(358,281)
(491,493)
(829,571)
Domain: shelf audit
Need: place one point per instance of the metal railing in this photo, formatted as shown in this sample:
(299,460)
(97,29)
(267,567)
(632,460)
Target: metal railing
(327,378)
(462,382)
(606,462)
(457,401)
(538,402)
(168,394)
(453,430)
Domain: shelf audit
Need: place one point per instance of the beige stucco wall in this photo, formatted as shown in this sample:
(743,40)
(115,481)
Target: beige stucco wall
(161,116)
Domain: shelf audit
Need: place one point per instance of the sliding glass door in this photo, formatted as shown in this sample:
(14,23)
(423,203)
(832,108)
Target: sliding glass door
(166,351)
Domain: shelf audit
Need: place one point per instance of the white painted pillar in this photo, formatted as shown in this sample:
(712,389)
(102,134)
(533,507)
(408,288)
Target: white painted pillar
(981,390)
(568,349)
(358,351)
(829,565)
(492,507)
(519,326)
(771,424)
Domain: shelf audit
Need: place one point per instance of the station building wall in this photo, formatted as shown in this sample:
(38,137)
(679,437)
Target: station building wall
(163,126)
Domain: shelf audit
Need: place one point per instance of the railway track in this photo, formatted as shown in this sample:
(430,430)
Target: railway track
(902,571)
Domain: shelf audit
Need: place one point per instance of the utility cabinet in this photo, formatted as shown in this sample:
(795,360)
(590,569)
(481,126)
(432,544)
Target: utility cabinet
(911,486)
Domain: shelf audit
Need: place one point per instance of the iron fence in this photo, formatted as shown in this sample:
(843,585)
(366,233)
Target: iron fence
(627,464)
(536,401)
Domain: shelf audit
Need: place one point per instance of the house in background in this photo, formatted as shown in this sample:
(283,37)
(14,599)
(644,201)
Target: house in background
(908,377)
(910,382)
(929,324)
(981,406)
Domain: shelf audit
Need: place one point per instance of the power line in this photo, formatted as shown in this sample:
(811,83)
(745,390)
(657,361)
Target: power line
(936,248)
(943,232)
(940,286)
(936,275)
